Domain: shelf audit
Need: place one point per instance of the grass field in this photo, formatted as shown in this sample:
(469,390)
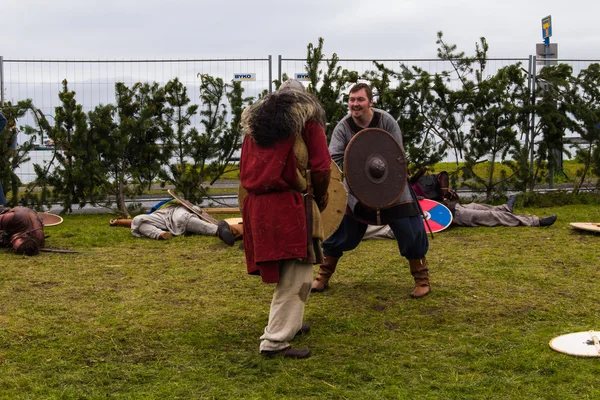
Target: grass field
(131,318)
(571,172)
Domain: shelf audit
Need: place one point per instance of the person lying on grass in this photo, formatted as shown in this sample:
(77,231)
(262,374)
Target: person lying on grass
(437,187)
(21,230)
(169,218)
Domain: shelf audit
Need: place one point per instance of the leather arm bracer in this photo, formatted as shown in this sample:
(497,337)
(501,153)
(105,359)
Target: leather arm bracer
(320,184)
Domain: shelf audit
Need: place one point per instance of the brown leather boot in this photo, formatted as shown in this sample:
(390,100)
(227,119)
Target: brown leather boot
(326,269)
(419,271)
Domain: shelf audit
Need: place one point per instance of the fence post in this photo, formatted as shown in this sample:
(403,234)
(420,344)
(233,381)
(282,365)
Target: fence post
(270,74)
(533,62)
(1,80)
(279,69)
(528,101)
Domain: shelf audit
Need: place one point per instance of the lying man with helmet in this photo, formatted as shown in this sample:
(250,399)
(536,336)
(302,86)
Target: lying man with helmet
(22,230)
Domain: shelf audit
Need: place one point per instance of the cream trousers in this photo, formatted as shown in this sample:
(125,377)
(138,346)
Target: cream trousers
(287,306)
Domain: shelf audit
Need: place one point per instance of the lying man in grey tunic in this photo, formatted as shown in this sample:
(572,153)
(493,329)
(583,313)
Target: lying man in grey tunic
(173,219)
(476,214)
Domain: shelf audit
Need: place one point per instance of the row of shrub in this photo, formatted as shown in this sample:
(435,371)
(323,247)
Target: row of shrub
(502,133)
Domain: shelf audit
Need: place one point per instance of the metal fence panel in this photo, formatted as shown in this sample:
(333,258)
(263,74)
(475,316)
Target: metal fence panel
(293,66)
(94,83)
(94,80)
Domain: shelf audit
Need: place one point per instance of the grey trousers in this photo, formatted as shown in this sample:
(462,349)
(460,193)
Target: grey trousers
(475,214)
(176,220)
(287,305)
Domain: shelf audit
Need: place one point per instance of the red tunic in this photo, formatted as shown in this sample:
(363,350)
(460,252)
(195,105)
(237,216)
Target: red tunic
(273,213)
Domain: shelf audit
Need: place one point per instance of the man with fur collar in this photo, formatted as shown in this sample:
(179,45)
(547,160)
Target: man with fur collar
(285,168)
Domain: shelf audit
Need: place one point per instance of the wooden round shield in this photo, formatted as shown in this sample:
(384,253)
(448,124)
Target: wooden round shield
(582,344)
(332,216)
(586,226)
(193,209)
(375,168)
(233,221)
(49,219)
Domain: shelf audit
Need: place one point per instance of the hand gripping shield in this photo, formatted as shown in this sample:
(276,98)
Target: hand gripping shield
(375,168)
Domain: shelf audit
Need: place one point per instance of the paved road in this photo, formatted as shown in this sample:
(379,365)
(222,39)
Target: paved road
(148,202)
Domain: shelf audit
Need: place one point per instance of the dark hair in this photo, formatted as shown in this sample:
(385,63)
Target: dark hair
(360,86)
(29,246)
(280,115)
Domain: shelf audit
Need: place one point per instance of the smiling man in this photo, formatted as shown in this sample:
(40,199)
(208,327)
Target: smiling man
(402,216)
(360,103)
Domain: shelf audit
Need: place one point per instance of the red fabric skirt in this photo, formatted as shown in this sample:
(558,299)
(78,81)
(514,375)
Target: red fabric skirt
(274,230)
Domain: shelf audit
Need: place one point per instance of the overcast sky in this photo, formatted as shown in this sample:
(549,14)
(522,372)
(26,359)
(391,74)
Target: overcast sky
(128,29)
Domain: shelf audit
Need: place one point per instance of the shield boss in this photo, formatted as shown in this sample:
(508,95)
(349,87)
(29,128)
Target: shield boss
(375,168)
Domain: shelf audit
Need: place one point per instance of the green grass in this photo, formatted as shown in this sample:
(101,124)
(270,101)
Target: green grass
(135,318)
(572,171)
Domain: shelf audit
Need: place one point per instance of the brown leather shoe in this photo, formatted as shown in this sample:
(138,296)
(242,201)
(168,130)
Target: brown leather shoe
(317,286)
(420,291)
(304,329)
(288,352)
